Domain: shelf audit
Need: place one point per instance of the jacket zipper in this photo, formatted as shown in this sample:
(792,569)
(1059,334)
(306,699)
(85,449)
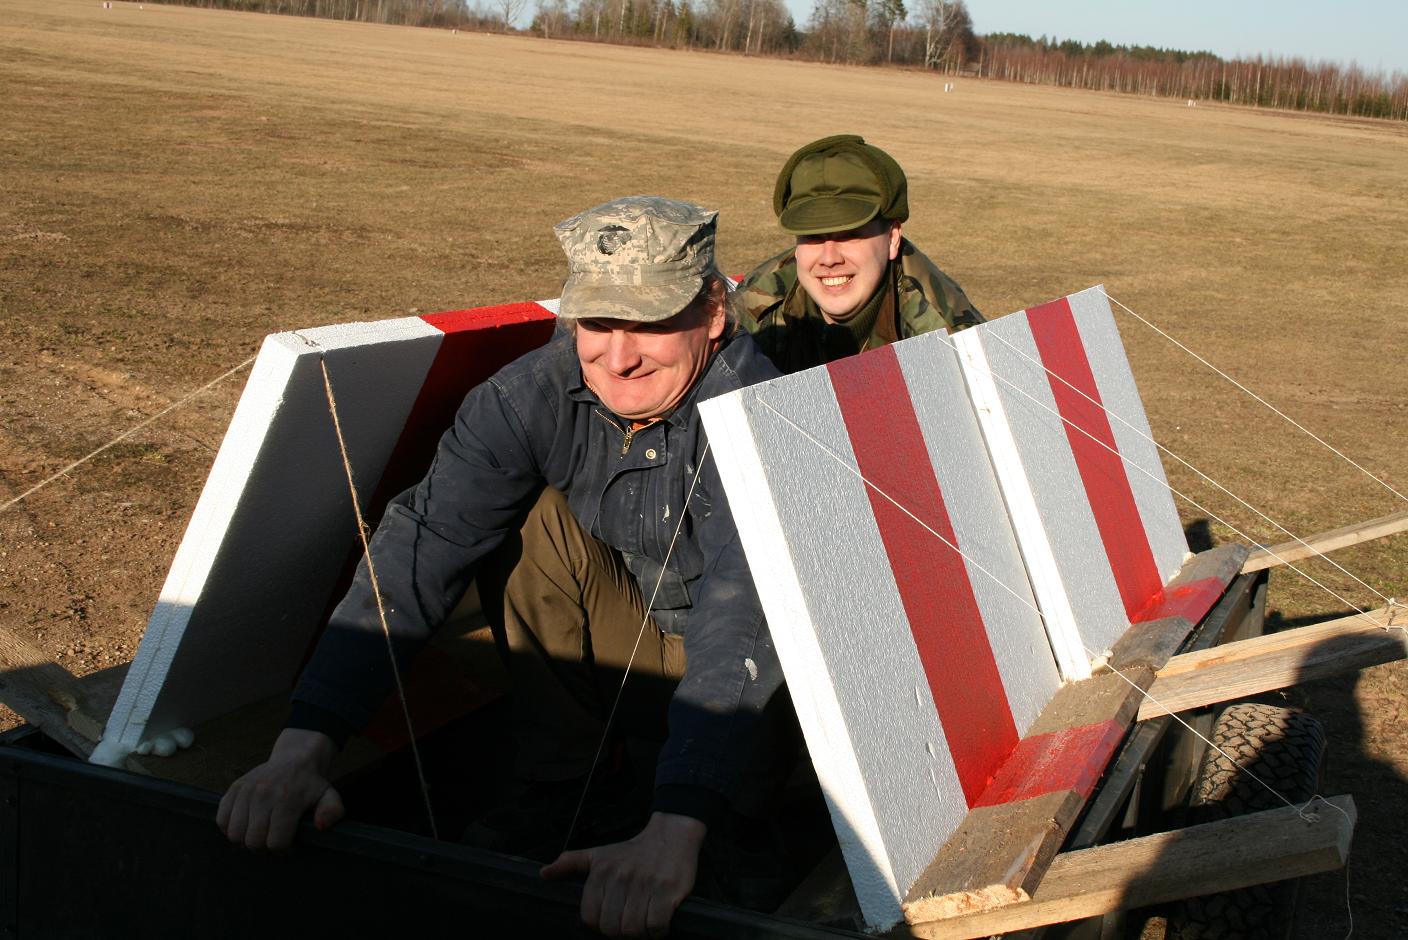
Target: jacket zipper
(627,434)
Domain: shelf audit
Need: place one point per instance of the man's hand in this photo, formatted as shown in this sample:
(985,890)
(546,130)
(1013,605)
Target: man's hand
(261,809)
(633,887)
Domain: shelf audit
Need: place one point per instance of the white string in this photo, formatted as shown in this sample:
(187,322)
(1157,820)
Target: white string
(1164,483)
(362,529)
(650,606)
(1149,438)
(904,509)
(1253,394)
(1301,811)
(125,434)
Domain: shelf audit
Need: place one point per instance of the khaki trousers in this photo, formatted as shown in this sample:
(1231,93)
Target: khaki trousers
(569,617)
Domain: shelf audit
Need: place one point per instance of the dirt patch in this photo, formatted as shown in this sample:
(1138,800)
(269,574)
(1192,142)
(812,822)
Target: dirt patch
(179,183)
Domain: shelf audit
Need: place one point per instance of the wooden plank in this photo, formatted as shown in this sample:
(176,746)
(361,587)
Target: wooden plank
(1327,541)
(1151,643)
(1219,856)
(44,693)
(1184,601)
(1277,660)
(1001,851)
(1110,801)
(1222,563)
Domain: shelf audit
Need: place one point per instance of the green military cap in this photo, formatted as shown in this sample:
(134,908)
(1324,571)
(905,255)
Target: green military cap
(641,258)
(839,183)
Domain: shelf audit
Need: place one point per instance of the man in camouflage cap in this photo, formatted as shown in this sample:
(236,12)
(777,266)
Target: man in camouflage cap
(574,485)
(852,281)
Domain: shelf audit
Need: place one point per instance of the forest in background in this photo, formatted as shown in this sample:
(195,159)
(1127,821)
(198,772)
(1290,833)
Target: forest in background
(936,34)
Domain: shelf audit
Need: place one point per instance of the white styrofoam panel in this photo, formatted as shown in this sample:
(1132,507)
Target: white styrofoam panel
(989,546)
(1055,526)
(815,698)
(848,644)
(250,579)
(1130,425)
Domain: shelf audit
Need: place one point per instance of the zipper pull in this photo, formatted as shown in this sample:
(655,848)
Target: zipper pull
(626,441)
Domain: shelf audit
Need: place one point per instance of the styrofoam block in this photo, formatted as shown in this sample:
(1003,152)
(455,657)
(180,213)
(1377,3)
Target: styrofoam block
(273,528)
(914,668)
(1086,492)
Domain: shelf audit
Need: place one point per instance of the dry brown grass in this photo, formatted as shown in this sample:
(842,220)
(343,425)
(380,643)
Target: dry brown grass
(176,183)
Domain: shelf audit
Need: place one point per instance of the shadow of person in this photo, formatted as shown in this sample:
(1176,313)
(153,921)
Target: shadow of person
(1362,714)
(1359,711)
(1199,535)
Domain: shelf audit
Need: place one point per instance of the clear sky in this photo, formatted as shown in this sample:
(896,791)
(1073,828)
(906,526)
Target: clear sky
(1373,33)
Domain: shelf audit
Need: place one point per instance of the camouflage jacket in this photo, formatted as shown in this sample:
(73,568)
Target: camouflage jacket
(787,325)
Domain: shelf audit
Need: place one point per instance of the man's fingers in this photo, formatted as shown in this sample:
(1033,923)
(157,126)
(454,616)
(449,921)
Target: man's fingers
(222,815)
(256,831)
(615,896)
(236,815)
(577,862)
(659,912)
(329,811)
(283,824)
(637,908)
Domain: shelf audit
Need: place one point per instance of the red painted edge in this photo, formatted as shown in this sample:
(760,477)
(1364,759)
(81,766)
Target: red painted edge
(477,343)
(1102,471)
(1191,601)
(932,578)
(479,318)
(1070,759)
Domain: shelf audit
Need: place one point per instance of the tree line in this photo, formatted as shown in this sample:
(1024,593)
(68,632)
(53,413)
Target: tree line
(1269,82)
(932,34)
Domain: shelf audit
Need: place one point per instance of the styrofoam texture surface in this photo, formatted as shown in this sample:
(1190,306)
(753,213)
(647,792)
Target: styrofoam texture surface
(1048,468)
(818,706)
(980,525)
(239,606)
(1130,425)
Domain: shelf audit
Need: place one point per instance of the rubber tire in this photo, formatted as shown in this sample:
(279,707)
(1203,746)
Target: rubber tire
(1285,748)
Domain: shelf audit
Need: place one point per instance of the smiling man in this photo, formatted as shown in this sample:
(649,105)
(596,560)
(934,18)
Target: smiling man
(577,487)
(852,282)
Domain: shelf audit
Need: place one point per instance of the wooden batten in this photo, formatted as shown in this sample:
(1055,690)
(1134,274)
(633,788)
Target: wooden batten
(1003,847)
(47,695)
(1277,660)
(1290,552)
(1000,853)
(1218,856)
(1184,600)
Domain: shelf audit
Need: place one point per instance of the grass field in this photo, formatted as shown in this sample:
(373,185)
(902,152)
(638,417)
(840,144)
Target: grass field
(177,183)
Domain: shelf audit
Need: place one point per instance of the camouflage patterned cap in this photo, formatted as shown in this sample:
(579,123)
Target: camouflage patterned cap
(641,258)
(837,184)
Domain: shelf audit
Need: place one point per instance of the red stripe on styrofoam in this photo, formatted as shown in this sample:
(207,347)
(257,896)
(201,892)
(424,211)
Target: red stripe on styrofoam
(932,579)
(479,318)
(1070,759)
(477,344)
(1191,601)
(1102,471)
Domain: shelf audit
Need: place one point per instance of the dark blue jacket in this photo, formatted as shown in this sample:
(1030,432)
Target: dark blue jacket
(533,424)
